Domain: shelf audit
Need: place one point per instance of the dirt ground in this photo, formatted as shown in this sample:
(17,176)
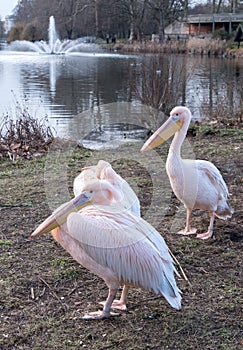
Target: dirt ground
(44,292)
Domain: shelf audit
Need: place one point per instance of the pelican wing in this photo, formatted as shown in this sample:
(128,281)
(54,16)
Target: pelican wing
(130,247)
(214,176)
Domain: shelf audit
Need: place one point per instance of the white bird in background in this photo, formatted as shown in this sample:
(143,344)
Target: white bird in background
(128,199)
(198,184)
(113,243)
(104,171)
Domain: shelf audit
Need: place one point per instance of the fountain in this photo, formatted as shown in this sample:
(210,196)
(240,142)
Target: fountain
(54,44)
(52,35)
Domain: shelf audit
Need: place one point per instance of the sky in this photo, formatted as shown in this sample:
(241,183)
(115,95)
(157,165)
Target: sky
(6,7)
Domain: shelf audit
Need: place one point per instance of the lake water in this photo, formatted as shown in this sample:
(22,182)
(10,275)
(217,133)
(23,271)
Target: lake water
(83,92)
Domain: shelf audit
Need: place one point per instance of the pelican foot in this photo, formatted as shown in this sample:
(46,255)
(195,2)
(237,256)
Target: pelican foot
(184,232)
(99,315)
(205,235)
(117,305)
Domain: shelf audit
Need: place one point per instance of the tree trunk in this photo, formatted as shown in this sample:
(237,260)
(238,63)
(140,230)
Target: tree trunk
(132,21)
(98,31)
(162,22)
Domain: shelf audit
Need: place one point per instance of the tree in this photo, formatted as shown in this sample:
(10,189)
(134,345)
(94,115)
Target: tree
(1,29)
(31,32)
(217,6)
(69,12)
(167,11)
(125,18)
(15,32)
(162,7)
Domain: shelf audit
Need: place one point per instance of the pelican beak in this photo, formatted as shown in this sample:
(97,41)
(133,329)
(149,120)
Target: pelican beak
(59,216)
(169,128)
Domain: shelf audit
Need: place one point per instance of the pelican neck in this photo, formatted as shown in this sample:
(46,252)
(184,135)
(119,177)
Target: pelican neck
(178,139)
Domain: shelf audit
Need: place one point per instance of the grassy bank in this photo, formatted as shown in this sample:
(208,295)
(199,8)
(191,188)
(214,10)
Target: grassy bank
(44,292)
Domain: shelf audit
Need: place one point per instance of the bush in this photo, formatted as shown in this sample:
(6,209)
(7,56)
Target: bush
(24,135)
(15,32)
(222,34)
(21,31)
(31,32)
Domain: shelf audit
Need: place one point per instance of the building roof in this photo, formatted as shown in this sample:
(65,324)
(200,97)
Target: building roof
(215,17)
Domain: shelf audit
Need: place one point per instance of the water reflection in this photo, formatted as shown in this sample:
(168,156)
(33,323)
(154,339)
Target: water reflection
(83,92)
(114,135)
(113,124)
(63,86)
(216,82)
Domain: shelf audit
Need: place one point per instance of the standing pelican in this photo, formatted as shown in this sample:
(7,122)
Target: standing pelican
(198,184)
(128,200)
(113,243)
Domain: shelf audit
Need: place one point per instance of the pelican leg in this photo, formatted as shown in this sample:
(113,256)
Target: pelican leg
(105,313)
(188,230)
(209,233)
(120,304)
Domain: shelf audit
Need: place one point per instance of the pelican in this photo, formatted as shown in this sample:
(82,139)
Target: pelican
(128,200)
(198,184)
(113,243)
(104,171)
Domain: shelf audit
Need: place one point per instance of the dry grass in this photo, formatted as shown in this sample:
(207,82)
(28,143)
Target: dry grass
(206,46)
(152,47)
(194,45)
(235,52)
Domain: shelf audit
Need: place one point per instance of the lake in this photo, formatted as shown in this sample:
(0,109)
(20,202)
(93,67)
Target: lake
(82,92)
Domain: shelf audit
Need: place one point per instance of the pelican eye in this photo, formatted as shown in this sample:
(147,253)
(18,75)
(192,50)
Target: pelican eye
(175,117)
(89,192)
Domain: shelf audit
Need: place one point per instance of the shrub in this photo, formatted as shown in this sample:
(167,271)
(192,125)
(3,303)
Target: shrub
(15,32)
(31,32)
(23,135)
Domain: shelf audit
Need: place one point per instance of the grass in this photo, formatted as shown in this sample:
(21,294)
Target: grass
(63,291)
(44,292)
(5,243)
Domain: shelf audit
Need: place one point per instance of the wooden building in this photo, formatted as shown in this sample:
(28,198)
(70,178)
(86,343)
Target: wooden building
(208,24)
(204,24)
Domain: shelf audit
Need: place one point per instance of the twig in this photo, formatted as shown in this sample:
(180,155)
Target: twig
(73,290)
(43,292)
(180,267)
(7,206)
(32,293)
(64,306)
(178,330)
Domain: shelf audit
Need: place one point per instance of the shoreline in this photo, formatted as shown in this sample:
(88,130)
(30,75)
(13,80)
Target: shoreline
(192,46)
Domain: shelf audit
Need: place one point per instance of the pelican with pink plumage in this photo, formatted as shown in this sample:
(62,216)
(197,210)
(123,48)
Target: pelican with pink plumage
(198,184)
(101,229)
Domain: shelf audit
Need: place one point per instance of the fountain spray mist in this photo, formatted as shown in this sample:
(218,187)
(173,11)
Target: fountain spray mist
(52,34)
(54,45)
